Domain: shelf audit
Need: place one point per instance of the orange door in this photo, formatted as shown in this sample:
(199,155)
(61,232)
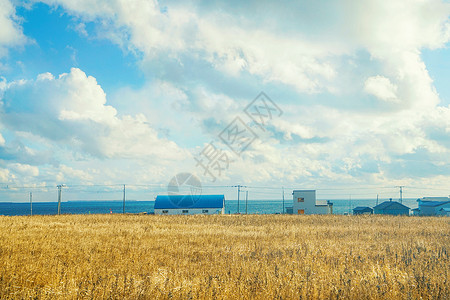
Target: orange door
(301,211)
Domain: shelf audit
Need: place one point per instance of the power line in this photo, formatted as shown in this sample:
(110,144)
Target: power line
(7,185)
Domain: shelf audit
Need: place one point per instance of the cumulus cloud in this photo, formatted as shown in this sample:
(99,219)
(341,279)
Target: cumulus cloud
(11,34)
(4,175)
(72,111)
(24,169)
(394,33)
(309,64)
(396,26)
(70,174)
(145,27)
(382,88)
(201,65)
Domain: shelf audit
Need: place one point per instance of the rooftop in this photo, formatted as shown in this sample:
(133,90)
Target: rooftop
(361,208)
(433,203)
(434,199)
(189,201)
(386,204)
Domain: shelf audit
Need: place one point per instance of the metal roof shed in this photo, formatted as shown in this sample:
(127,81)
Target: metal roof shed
(431,208)
(444,212)
(361,210)
(391,208)
(190,204)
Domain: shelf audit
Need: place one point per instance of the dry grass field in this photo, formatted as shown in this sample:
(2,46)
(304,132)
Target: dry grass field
(224,257)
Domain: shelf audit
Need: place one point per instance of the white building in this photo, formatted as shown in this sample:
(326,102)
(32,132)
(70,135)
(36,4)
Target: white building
(189,204)
(305,203)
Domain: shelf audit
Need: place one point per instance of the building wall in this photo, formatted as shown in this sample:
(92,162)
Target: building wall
(446,205)
(395,212)
(190,211)
(426,210)
(363,212)
(431,210)
(307,203)
(444,213)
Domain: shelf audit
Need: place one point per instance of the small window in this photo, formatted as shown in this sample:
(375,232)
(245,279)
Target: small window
(300,199)
(165,211)
(205,211)
(301,211)
(185,211)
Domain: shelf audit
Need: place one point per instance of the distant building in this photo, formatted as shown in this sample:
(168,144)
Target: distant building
(434,199)
(431,206)
(362,210)
(189,204)
(444,212)
(391,208)
(304,203)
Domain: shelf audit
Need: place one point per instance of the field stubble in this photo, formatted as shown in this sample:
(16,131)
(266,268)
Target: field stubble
(217,257)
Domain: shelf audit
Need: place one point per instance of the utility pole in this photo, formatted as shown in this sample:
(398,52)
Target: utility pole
(350,205)
(246,201)
(401,192)
(239,192)
(124,199)
(377,199)
(31,203)
(59,197)
(283,200)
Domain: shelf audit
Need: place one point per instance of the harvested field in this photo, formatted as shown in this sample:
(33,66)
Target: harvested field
(224,257)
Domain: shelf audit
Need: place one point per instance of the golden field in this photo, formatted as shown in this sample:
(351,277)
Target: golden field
(224,257)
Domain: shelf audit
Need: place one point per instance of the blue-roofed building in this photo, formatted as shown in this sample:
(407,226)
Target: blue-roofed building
(362,210)
(444,212)
(391,208)
(415,211)
(189,204)
(431,206)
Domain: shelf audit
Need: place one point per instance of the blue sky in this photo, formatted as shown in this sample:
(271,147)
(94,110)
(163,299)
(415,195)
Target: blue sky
(110,92)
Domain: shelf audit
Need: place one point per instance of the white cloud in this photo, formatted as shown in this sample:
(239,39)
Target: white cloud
(394,26)
(11,34)
(45,76)
(229,48)
(333,137)
(72,110)
(382,88)
(70,174)
(393,32)
(24,169)
(81,29)
(4,175)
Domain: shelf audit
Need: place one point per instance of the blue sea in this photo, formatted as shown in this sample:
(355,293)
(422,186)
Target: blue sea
(231,207)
